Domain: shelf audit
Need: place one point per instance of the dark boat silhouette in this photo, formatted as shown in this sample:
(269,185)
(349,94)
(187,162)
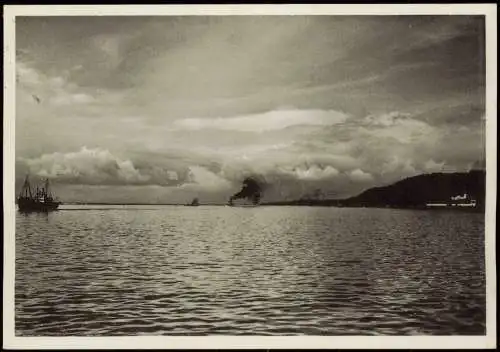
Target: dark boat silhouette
(194,203)
(243,202)
(37,200)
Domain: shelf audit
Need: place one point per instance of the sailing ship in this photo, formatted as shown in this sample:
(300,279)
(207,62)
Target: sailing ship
(194,203)
(36,200)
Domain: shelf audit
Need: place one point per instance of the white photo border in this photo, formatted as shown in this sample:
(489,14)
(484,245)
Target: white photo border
(265,342)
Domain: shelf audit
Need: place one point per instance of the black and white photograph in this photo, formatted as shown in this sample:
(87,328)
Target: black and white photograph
(215,173)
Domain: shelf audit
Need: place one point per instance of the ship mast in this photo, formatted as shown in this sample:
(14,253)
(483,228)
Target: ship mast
(48,196)
(26,189)
(47,193)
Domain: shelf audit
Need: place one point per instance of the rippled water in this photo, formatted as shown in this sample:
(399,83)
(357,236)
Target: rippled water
(167,270)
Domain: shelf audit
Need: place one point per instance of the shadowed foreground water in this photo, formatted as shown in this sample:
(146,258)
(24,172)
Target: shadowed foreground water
(168,270)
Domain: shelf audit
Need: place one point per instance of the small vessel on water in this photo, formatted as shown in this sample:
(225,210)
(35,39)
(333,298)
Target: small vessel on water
(243,202)
(460,201)
(36,200)
(194,203)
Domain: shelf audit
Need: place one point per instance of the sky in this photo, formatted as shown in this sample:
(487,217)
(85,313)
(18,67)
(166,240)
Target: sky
(163,109)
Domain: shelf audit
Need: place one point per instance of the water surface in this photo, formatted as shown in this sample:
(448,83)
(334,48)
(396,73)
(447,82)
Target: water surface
(173,270)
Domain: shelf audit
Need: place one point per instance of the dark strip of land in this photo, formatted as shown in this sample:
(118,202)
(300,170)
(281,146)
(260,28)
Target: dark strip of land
(411,193)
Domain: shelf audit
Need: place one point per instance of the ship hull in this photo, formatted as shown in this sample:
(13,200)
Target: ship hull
(242,204)
(33,206)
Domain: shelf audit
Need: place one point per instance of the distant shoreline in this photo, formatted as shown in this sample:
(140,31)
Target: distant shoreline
(283,204)
(410,193)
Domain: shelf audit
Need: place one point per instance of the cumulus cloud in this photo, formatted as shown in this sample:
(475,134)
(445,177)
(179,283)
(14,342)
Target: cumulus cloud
(201,178)
(96,166)
(360,176)
(432,166)
(399,126)
(268,121)
(313,173)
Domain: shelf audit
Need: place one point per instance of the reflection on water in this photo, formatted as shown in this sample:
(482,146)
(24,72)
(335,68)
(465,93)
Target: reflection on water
(170,270)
